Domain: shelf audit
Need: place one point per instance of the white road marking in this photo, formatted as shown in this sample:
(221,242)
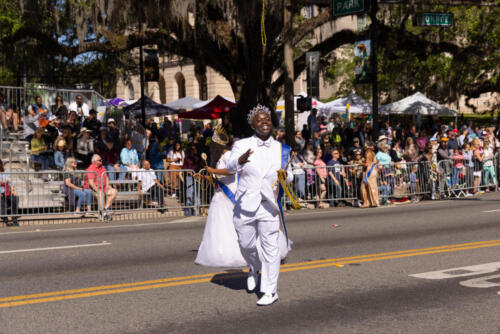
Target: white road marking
(38,230)
(53,248)
(478,282)
(481,282)
(492,211)
(479,269)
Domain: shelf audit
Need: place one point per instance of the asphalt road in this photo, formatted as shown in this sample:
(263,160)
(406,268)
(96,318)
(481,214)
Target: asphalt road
(374,273)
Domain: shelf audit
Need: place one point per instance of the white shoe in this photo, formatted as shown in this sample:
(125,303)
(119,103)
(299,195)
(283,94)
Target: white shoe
(251,281)
(267,299)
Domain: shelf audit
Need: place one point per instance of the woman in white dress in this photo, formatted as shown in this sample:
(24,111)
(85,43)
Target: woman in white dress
(219,246)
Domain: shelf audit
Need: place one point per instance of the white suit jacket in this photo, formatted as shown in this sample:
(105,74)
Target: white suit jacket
(258,177)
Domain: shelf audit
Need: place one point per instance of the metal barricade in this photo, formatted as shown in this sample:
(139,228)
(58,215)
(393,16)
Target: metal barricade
(458,181)
(326,186)
(206,188)
(405,180)
(47,193)
(21,97)
(148,190)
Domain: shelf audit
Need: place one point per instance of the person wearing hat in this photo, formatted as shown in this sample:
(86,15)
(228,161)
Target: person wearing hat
(61,154)
(442,152)
(434,143)
(356,145)
(39,149)
(113,131)
(84,148)
(382,139)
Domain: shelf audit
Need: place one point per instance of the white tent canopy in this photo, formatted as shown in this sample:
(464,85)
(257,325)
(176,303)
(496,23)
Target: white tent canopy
(415,104)
(187,103)
(357,105)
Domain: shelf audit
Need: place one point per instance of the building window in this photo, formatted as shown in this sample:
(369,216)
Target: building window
(181,85)
(131,92)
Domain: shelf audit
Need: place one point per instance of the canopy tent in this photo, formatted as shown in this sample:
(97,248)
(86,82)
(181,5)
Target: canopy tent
(357,105)
(114,102)
(211,109)
(152,109)
(315,103)
(187,102)
(416,104)
(125,103)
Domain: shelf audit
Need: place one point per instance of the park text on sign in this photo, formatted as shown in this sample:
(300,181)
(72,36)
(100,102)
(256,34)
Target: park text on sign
(346,7)
(434,19)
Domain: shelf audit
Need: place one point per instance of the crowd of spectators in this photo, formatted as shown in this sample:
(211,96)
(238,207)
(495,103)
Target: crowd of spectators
(330,152)
(72,138)
(467,152)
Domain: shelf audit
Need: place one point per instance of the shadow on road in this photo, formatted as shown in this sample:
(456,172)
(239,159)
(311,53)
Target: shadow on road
(232,279)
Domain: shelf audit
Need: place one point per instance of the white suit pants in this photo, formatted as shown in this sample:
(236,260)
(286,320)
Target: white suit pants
(265,224)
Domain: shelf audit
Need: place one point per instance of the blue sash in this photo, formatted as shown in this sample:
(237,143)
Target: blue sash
(369,173)
(226,190)
(285,154)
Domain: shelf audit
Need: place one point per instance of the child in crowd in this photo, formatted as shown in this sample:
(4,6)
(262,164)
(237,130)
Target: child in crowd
(414,182)
(458,165)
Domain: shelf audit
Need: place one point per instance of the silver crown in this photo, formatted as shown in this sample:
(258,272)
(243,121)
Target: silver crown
(257,110)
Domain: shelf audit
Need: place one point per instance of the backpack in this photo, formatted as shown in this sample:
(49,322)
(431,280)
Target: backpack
(6,187)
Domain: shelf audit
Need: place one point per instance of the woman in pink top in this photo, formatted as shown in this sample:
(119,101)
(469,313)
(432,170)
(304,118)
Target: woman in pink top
(458,164)
(321,174)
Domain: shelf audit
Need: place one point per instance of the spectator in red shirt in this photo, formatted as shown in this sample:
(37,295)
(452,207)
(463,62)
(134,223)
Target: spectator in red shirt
(98,181)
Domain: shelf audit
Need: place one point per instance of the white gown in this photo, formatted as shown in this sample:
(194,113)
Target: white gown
(219,246)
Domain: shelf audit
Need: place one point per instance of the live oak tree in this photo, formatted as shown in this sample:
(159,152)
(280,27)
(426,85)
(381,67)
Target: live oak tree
(444,63)
(228,36)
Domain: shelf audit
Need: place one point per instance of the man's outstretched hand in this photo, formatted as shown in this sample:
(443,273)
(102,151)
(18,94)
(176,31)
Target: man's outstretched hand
(243,159)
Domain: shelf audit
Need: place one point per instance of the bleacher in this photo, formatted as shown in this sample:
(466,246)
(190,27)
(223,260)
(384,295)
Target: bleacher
(42,191)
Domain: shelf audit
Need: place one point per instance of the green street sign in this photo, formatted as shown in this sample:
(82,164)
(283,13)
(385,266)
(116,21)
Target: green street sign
(433,20)
(347,7)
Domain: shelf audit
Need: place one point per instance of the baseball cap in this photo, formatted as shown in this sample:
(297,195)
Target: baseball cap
(111,120)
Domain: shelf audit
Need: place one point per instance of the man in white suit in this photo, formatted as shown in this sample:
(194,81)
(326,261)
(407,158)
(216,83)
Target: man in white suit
(257,160)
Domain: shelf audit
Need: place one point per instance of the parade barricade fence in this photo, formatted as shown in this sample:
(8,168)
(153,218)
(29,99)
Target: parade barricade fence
(326,186)
(46,193)
(137,190)
(405,180)
(459,181)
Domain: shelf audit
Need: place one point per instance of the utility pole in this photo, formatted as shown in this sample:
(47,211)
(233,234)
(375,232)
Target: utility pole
(141,70)
(373,16)
(288,70)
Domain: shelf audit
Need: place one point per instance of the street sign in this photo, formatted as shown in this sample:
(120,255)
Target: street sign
(347,7)
(433,20)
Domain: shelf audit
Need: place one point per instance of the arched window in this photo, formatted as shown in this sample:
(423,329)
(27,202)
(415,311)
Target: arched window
(181,85)
(202,85)
(131,92)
